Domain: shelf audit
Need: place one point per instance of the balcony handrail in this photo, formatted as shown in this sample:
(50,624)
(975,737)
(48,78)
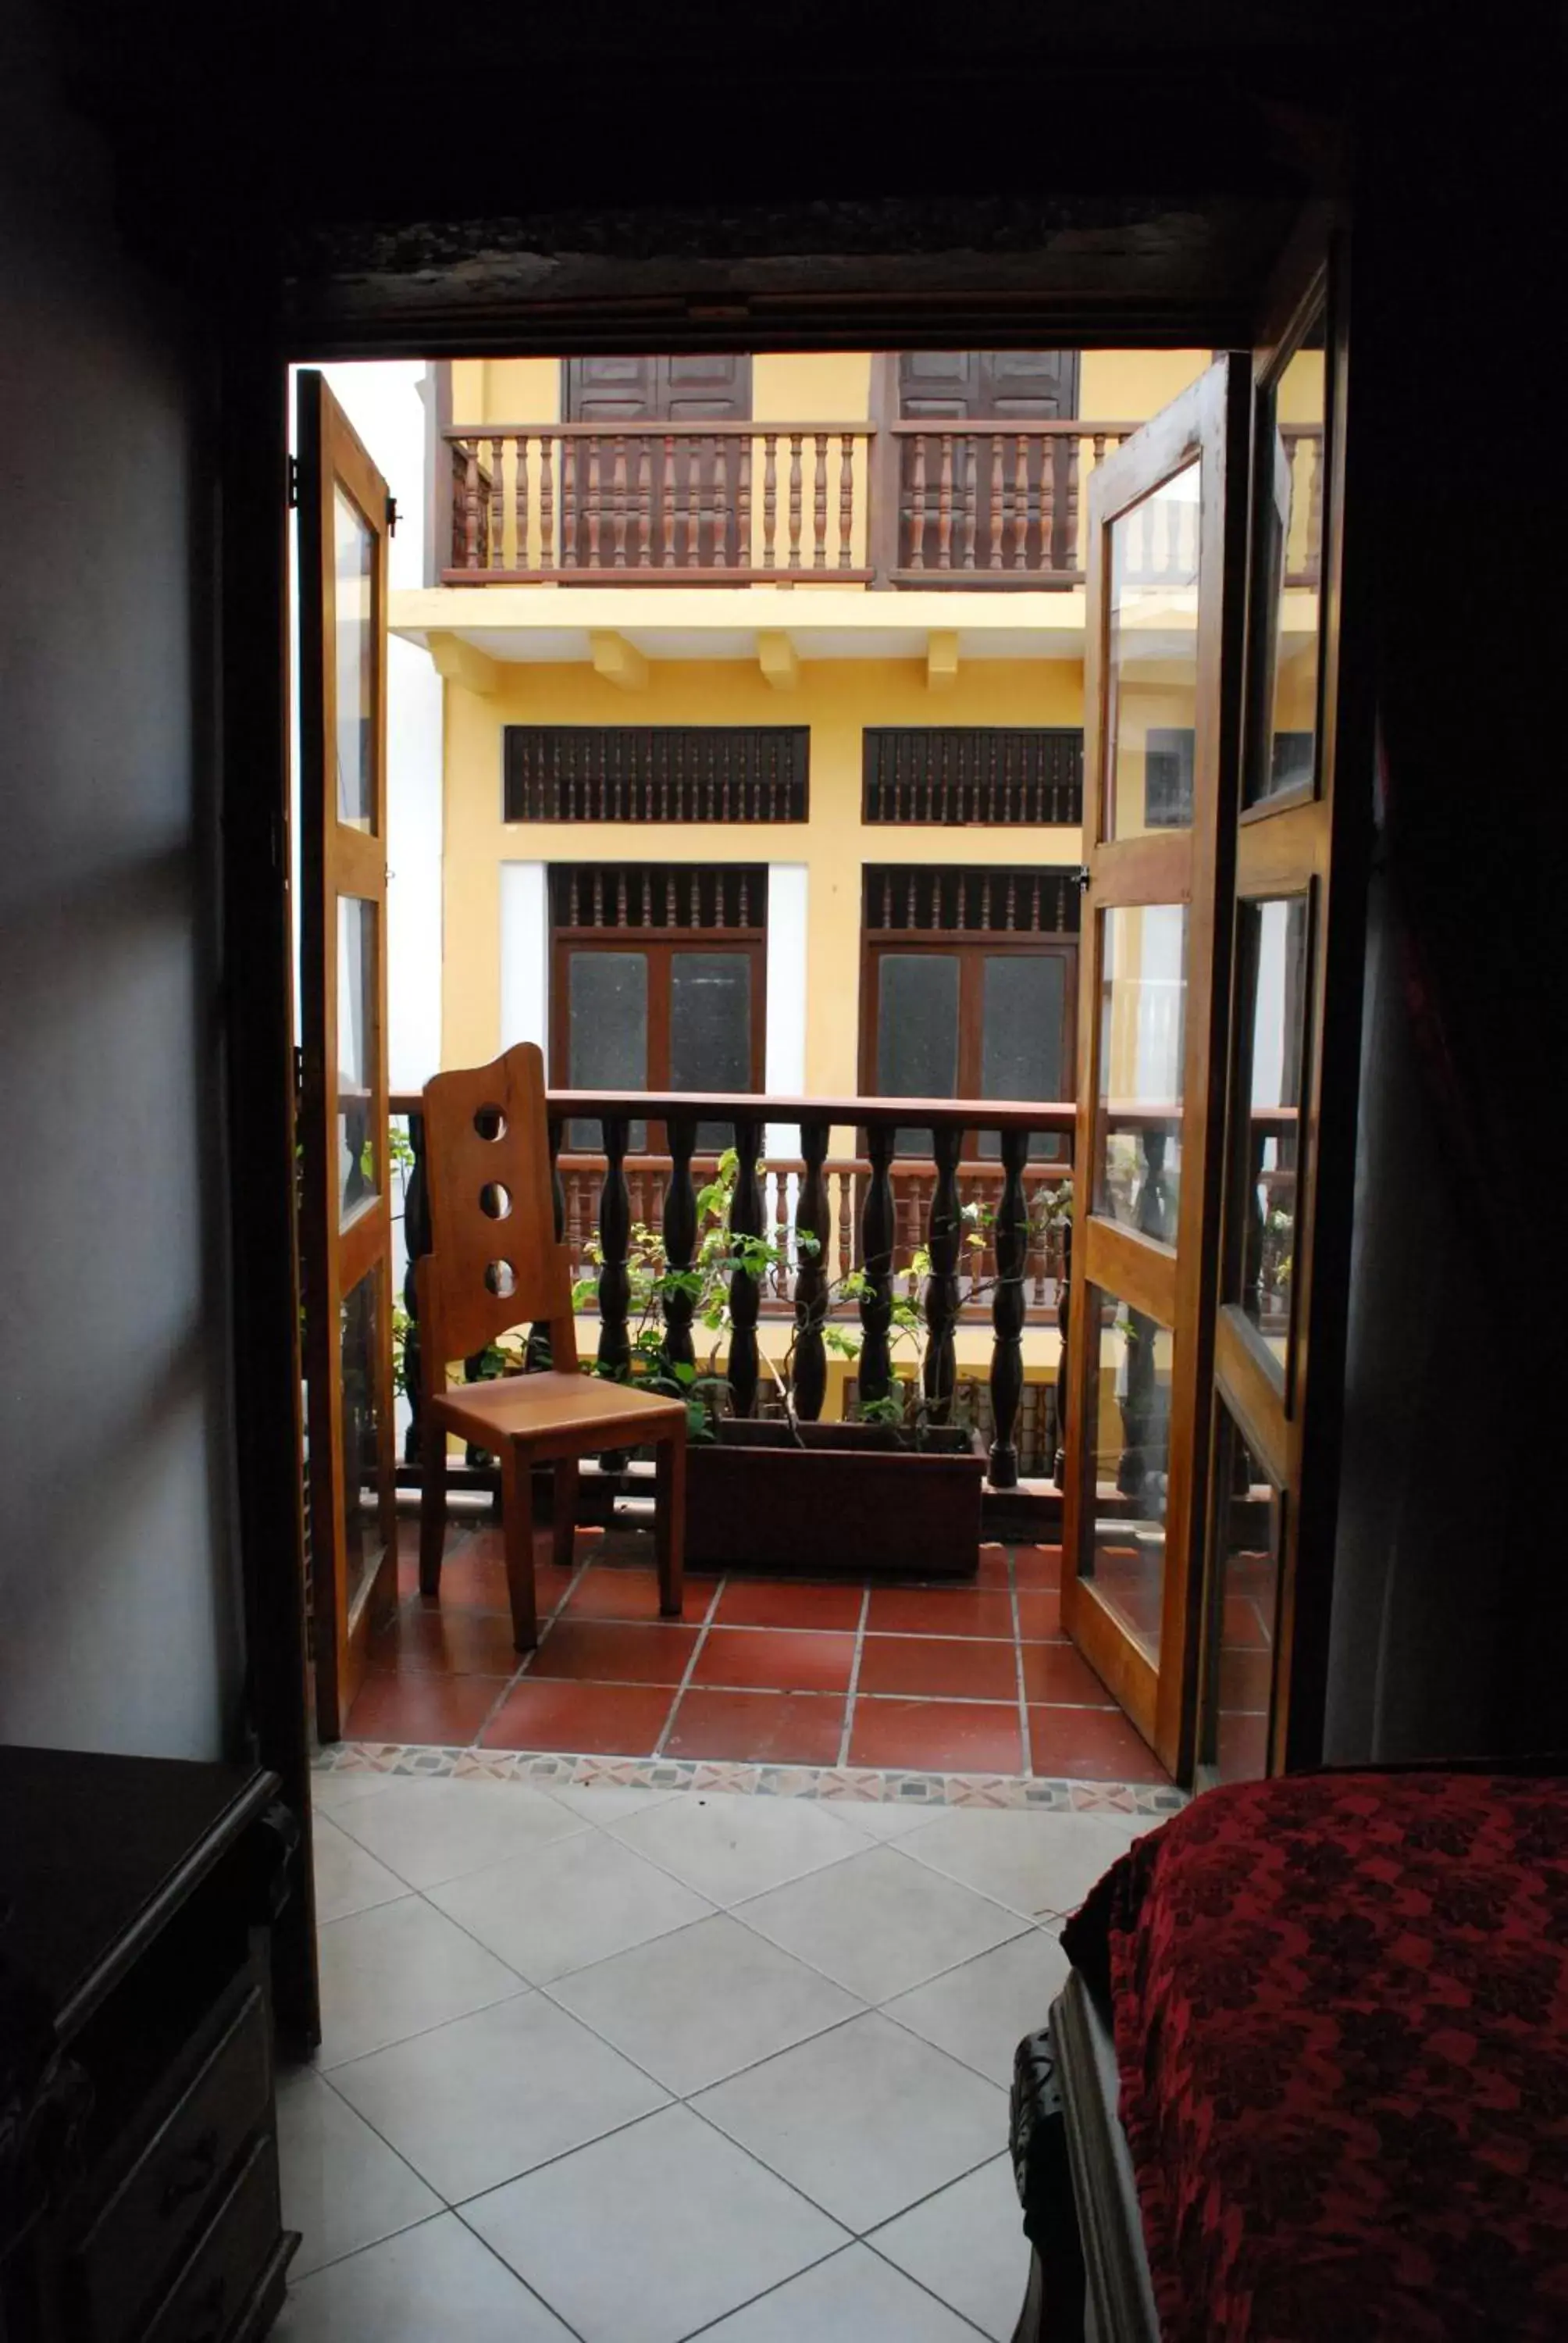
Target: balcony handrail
(1005,426)
(605,428)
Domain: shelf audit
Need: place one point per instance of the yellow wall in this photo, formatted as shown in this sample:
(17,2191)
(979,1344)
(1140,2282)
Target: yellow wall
(837,699)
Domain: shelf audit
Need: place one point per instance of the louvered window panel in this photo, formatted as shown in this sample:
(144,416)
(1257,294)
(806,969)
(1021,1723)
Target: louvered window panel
(972,775)
(656,772)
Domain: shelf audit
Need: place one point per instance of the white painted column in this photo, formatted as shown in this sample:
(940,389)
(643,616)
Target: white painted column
(525,955)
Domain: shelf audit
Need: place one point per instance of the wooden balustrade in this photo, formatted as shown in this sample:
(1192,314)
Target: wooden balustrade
(642,504)
(998,504)
(884,1212)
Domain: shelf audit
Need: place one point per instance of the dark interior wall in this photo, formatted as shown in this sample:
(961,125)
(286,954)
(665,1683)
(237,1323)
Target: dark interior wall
(1450,1628)
(119,1595)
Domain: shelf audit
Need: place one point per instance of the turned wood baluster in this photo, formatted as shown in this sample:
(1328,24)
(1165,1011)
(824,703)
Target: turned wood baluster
(617,496)
(971,499)
(594,504)
(417,1240)
(520,503)
(497,506)
(1047,500)
(745,1290)
(846,500)
(645,503)
(743,506)
(546,502)
(667,509)
(769,500)
(945,505)
(720,448)
(993,550)
(795,500)
(571,456)
(538,1350)
(471,507)
(944,1235)
(694,504)
(820,503)
(1011,1244)
(812,1219)
(877,1262)
(917,505)
(614,1232)
(680,1239)
(1074,560)
(1021,503)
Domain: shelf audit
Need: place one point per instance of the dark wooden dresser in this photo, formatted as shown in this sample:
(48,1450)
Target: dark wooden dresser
(138,2150)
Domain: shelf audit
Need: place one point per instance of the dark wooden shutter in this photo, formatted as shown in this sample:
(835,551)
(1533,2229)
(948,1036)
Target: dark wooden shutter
(656,772)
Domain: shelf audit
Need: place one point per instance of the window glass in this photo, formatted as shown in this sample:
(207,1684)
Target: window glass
(917,1032)
(1243,1624)
(607,1034)
(1151,660)
(1271,955)
(1130,1407)
(1288,572)
(363,1431)
(358,1048)
(1142,1012)
(354,559)
(710,1030)
(1023,1041)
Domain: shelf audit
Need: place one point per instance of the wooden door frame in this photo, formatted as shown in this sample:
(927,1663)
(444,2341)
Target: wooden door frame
(1207,424)
(971,947)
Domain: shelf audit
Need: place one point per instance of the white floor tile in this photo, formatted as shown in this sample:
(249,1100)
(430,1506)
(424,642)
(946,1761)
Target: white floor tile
(554,1911)
(883,1818)
(330,1791)
(879,1923)
(397,1970)
(1032,1862)
(864,2120)
(432,1831)
(490,2096)
(607,1802)
(699,2005)
(347,1879)
(980,2012)
(653,2233)
(437,2280)
(967,2245)
(730,1848)
(342,2186)
(852,2299)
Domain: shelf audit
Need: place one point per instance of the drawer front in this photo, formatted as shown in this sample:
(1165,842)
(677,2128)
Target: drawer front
(139,2236)
(222,2273)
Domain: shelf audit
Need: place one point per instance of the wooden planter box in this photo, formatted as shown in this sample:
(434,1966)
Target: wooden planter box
(843,1498)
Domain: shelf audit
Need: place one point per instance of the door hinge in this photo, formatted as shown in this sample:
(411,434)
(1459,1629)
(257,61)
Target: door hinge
(391,516)
(292,483)
(1080,878)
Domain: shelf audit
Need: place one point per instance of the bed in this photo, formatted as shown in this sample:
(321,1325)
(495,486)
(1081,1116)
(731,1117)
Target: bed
(1309,2076)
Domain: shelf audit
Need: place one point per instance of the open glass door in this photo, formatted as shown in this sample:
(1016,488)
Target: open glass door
(1290,1062)
(1165,595)
(346,1225)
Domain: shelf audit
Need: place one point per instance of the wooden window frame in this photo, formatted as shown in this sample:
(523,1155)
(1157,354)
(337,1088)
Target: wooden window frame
(972,947)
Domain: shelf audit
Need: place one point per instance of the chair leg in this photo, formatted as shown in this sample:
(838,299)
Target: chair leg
(432,1507)
(517,1534)
(669,1523)
(563,1539)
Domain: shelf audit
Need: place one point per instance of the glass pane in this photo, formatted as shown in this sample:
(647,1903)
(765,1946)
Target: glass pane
(1131,1409)
(1023,1049)
(359,1049)
(1271,940)
(1152,660)
(1243,1624)
(917,1033)
(354,549)
(363,1431)
(606,1037)
(710,1030)
(1284,685)
(1142,1022)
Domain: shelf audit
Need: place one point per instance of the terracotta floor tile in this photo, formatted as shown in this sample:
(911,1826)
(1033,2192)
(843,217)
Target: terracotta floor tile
(436,1636)
(410,1706)
(777,1659)
(995,1571)
(602,1593)
(1039,1613)
(1090,1744)
(800,1603)
(1037,1566)
(602,1652)
(960,1667)
(1057,1673)
(592,1719)
(940,1611)
(759,1728)
(963,1736)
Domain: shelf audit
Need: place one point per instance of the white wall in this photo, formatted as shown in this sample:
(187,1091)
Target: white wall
(119,1582)
(525,955)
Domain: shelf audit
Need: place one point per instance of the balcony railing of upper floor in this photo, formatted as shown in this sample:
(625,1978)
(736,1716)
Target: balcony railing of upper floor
(973,505)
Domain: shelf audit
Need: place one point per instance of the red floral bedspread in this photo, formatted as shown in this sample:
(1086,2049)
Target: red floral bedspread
(1341,2013)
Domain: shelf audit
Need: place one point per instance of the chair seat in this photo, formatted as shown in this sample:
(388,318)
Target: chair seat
(556,1408)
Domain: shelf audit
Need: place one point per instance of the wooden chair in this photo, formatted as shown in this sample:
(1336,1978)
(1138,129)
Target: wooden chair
(494,1263)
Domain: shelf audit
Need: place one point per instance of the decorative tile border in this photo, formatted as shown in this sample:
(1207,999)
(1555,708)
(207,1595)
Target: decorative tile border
(840,1784)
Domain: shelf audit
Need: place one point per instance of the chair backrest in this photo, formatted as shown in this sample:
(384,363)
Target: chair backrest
(493,1261)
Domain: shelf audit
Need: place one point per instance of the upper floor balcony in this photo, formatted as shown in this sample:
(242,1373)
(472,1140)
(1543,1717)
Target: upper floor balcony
(994,504)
